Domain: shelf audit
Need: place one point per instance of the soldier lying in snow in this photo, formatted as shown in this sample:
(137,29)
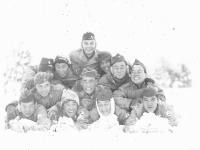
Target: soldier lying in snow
(151,104)
(31,116)
(68,113)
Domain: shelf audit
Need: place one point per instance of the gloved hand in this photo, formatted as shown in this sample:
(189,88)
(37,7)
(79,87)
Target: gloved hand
(135,102)
(87,103)
(52,115)
(29,84)
(12,112)
(80,125)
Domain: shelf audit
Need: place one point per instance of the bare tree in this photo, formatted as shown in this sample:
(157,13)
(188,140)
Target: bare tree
(16,62)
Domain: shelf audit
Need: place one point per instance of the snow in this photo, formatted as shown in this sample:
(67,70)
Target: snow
(185,137)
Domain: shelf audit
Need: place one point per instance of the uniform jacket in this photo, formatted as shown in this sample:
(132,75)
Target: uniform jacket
(28,78)
(163,110)
(69,80)
(80,61)
(50,100)
(111,82)
(129,91)
(39,116)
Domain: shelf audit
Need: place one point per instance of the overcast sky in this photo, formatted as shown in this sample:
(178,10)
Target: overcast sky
(146,30)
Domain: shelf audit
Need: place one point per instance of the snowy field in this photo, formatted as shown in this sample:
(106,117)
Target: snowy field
(185,137)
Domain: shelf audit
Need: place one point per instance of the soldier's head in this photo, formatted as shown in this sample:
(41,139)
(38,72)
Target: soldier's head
(47,65)
(104,59)
(104,101)
(149,98)
(119,67)
(88,43)
(27,103)
(138,73)
(61,66)
(70,102)
(89,80)
(42,83)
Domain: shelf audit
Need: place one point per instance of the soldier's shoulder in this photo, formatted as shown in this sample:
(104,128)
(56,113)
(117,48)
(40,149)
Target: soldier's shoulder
(75,52)
(126,85)
(103,79)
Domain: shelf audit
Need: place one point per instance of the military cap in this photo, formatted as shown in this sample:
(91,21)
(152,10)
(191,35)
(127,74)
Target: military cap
(137,62)
(41,77)
(117,58)
(26,96)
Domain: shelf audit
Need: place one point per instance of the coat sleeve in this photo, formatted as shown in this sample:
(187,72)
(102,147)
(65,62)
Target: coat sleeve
(132,118)
(160,95)
(86,113)
(167,111)
(121,114)
(28,77)
(13,103)
(121,99)
(41,115)
(75,64)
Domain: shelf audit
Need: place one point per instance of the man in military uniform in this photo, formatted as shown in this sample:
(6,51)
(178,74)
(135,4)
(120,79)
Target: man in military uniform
(87,56)
(150,103)
(88,89)
(104,59)
(64,72)
(117,75)
(127,94)
(46,65)
(31,110)
(45,93)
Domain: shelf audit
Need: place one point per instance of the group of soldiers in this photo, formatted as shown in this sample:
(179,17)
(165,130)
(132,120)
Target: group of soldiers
(90,86)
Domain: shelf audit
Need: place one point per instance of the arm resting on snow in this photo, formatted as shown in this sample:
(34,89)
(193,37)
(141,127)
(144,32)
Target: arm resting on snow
(42,119)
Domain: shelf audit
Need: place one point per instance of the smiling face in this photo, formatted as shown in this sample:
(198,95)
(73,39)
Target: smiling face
(88,46)
(27,109)
(70,108)
(138,75)
(150,103)
(44,88)
(105,65)
(104,107)
(119,70)
(88,84)
(61,69)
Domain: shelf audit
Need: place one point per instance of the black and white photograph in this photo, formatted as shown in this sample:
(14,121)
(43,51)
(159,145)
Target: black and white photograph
(100,75)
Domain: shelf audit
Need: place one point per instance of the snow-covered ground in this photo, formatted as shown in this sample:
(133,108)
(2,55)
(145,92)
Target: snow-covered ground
(185,137)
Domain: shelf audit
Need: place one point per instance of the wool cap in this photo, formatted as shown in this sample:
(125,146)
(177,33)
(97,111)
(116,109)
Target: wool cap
(41,77)
(117,58)
(46,64)
(137,62)
(26,96)
(60,59)
(69,95)
(89,72)
(104,94)
(104,55)
(150,91)
(88,36)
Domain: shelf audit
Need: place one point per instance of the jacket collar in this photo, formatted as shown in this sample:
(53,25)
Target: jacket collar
(83,57)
